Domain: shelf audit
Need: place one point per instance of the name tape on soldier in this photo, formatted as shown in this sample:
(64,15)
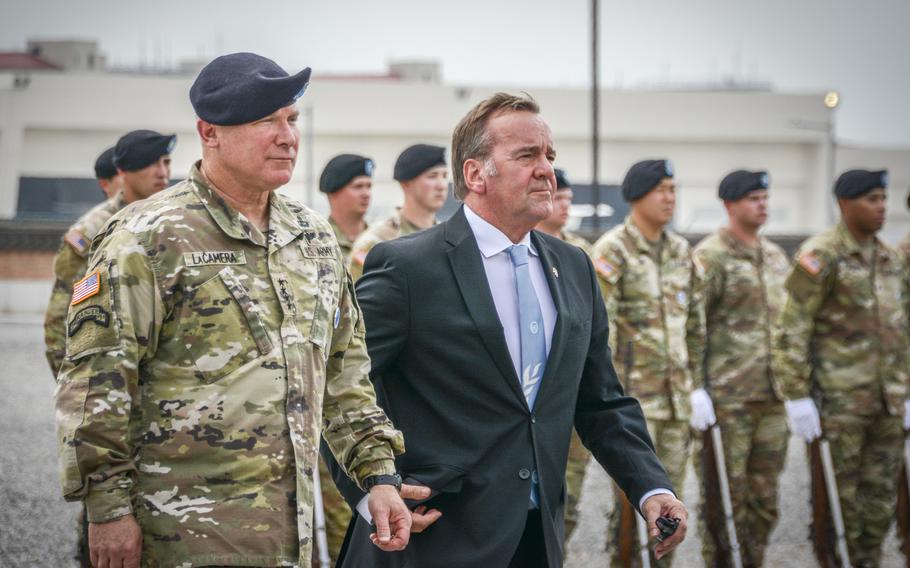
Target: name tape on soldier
(208,258)
(314,251)
(86,288)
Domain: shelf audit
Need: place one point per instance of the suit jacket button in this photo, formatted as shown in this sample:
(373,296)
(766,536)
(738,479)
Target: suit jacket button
(533,420)
(523,473)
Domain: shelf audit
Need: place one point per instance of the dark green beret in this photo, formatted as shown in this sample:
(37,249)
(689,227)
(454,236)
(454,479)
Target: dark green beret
(854,183)
(643,176)
(104,165)
(737,184)
(242,87)
(141,148)
(342,169)
(417,159)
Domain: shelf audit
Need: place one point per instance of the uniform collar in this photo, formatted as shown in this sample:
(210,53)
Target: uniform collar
(641,243)
(739,248)
(284,225)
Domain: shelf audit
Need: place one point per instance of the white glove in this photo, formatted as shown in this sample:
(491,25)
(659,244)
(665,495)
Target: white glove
(907,414)
(803,417)
(703,416)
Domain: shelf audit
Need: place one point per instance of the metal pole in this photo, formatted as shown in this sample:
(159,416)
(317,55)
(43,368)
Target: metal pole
(322,541)
(595,115)
(725,496)
(645,552)
(834,502)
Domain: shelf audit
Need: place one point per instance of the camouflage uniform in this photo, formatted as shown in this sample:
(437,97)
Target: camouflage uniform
(904,248)
(200,371)
(391,228)
(344,243)
(843,339)
(69,266)
(579,456)
(744,293)
(657,336)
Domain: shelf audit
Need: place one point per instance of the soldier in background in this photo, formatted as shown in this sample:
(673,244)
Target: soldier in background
(651,284)
(579,456)
(137,167)
(422,173)
(744,292)
(347,181)
(215,336)
(904,245)
(841,349)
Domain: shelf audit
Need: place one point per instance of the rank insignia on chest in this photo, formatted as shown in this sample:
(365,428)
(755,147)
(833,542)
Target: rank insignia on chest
(207,258)
(86,288)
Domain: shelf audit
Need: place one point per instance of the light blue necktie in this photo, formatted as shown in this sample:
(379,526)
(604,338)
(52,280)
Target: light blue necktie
(533,341)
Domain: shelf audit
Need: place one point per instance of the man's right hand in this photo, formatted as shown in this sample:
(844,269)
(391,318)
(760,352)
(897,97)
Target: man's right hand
(115,543)
(804,420)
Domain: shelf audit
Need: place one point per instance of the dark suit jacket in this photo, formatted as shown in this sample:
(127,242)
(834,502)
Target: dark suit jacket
(442,372)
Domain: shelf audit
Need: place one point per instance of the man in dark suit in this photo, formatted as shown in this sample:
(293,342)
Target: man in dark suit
(488,342)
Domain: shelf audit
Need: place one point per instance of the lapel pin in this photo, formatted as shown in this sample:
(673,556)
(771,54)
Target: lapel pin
(555,272)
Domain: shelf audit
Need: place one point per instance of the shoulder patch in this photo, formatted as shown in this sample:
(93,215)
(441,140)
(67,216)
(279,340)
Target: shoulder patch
(92,327)
(75,239)
(607,271)
(811,263)
(86,288)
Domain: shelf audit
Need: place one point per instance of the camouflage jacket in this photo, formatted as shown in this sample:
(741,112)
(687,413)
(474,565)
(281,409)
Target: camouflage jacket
(392,227)
(204,358)
(69,266)
(577,241)
(344,243)
(904,248)
(657,318)
(744,293)
(843,329)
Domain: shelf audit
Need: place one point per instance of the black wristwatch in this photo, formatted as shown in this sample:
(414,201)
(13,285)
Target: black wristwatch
(374,480)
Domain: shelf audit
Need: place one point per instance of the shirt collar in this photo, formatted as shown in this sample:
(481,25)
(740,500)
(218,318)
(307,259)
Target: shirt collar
(490,240)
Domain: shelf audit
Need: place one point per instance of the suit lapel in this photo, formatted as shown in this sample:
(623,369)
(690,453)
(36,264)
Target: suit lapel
(554,279)
(467,266)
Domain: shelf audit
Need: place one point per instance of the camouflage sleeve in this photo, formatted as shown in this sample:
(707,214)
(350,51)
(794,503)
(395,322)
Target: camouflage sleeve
(695,324)
(357,431)
(806,287)
(110,330)
(609,264)
(68,267)
(362,246)
(713,278)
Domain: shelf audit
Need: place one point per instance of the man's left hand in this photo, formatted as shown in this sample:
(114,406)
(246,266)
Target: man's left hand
(665,505)
(391,517)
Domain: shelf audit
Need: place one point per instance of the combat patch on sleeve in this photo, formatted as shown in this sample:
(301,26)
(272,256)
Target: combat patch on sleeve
(77,241)
(91,327)
(607,271)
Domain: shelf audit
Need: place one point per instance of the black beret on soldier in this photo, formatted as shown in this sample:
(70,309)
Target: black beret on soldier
(141,148)
(342,169)
(854,183)
(643,176)
(737,184)
(417,159)
(242,87)
(104,165)
(562,180)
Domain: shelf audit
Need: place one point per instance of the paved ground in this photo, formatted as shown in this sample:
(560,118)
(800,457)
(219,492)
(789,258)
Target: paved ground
(37,526)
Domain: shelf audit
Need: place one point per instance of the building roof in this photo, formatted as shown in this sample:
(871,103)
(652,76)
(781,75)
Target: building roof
(24,61)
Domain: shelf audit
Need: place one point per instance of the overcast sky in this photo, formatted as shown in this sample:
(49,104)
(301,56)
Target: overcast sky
(859,48)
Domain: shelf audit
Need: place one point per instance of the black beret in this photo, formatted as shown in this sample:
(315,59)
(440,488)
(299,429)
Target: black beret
(417,159)
(643,176)
(342,169)
(737,184)
(140,148)
(562,180)
(243,87)
(104,165)
(854,183)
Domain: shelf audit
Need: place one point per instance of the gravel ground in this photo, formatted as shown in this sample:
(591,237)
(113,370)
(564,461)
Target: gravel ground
(37,528)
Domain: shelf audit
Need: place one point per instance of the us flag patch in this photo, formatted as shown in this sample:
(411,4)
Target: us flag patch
(811,263)
(76,240)
(86,288)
